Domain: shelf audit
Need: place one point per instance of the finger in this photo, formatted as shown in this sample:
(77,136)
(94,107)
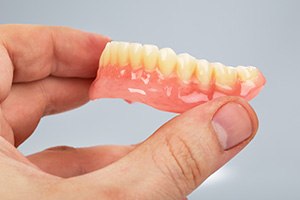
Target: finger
(5,130)
(180,155)
(6,71)
(67,162)
(28,102)
(40,51)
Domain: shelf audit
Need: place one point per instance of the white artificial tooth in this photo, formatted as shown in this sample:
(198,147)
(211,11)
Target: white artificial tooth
(204,73)
(246,73)
(226,77)
(123,54)
(186,65)
(150,56)
(135,55)
(114,46)
(167,61)
(105,57)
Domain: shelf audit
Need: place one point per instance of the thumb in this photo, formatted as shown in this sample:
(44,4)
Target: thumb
(179,156)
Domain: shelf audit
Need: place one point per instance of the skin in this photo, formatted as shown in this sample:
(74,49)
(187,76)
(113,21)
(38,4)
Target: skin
(47,70)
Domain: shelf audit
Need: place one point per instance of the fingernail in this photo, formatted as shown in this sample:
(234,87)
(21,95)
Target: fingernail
(232,125)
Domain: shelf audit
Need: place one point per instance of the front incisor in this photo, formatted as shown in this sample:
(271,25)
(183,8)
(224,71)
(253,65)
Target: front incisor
(114,48)
(167,61)
(186,65)
(135,55)
(204,74)
(150,57)
(123,54)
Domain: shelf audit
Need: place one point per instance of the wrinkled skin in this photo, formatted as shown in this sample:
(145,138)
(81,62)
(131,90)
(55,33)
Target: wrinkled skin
(47,70)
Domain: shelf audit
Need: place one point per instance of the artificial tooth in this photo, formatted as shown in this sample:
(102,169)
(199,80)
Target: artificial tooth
(186,65)
(246,73)
(204,73)
(114,46)
(135,55)
(150,56)
(167,61)
(123,54)
(226,77)
(105,57)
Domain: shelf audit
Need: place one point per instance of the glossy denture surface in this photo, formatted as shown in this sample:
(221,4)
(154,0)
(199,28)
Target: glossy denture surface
(166,81)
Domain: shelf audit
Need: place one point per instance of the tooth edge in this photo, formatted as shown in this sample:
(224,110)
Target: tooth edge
(135,55)
(185,67)
(167,60)
(150,57)
(105,57)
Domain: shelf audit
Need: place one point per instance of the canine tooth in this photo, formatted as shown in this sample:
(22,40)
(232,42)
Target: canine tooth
(150,55)
(246,73)
(135,55)
(204,73)
(226,77)
(186,65)
(123,54)
(105,57)
(166,61)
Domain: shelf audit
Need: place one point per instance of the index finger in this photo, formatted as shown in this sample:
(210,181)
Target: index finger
(6,71)
(39,51)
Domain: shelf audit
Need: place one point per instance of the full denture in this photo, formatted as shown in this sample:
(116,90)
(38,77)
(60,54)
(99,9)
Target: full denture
(166,81)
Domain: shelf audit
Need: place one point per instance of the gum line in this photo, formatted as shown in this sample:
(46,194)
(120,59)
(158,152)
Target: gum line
(152,88)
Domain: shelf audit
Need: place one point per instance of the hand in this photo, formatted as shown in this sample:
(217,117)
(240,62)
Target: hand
(46,70)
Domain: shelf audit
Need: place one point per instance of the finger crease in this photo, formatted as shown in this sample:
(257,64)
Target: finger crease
(196,171)
(171,150)
(10,54)
(169,171)
(54,55)
(46,97)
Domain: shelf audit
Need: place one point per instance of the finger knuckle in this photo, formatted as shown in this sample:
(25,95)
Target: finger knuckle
(61,148)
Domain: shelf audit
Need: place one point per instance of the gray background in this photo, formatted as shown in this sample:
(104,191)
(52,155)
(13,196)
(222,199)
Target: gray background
(260,33)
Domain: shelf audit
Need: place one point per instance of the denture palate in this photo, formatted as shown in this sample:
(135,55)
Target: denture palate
(167,81)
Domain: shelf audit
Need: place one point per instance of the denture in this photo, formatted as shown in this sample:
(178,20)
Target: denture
(166,81)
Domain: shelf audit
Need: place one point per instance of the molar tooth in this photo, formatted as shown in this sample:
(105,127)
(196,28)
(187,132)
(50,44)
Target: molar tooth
(135,55)
(186,65)
(246,73)
(150,56)
(105,57)
(226,77)
(204,74)
(123,54)
(166,61)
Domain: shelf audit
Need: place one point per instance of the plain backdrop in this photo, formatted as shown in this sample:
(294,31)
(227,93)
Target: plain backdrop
(260,33)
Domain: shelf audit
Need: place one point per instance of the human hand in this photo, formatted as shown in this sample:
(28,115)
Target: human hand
(46,70)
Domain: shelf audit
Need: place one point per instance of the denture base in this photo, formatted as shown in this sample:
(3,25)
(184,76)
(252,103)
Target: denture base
(164,93)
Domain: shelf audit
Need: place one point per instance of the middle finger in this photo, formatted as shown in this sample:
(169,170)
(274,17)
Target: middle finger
(28,102)
(67,162)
